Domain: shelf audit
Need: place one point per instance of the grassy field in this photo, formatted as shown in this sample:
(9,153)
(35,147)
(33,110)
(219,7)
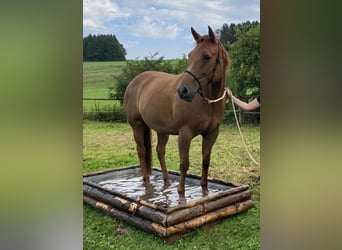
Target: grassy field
(94,72)
(97,78)
(111,145)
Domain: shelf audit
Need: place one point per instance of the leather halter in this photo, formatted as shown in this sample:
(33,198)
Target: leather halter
(199,91)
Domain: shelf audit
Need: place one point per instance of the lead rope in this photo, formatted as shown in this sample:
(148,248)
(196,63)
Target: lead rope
(238,125)
(218,99)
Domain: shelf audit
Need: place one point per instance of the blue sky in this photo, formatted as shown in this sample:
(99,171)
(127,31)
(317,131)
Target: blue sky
(148,26)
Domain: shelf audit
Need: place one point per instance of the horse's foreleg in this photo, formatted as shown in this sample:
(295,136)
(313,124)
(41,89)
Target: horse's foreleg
(138,132)
(162,140)
(207,144)
(183,147)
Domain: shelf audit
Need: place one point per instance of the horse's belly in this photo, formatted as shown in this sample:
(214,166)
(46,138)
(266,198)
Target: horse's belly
(161,124)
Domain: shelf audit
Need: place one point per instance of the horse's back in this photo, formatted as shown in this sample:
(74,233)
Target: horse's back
(147,83)
(148,89)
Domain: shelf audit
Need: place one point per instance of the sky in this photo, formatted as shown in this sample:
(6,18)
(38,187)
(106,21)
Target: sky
(145,27)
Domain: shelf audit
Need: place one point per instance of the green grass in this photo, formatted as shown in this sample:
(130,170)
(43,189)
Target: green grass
(111,145)
(97,78)
(94,72)
(97,90)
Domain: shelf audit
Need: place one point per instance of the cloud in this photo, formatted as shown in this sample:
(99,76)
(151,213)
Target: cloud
(164,18)
(97,12)
(194,12)
(149,27)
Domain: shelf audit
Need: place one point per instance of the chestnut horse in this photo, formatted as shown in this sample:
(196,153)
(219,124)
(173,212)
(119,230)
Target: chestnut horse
(178,105)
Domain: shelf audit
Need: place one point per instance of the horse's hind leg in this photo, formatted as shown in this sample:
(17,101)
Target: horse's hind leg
(162,141)
(144,152)
(207,144)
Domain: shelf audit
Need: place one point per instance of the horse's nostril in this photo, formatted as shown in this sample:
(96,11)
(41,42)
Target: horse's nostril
(185,91)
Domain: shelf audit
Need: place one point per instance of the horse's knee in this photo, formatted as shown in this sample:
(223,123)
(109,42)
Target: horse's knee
(183,167)
(160,151)
(141,151)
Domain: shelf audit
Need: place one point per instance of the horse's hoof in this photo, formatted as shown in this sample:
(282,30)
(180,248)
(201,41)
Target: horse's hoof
(182,200)
(146,180)
(167,183)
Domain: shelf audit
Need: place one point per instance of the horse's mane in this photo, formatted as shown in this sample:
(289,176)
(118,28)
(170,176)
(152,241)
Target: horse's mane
(225,56)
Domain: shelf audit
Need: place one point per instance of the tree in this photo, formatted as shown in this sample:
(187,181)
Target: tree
(244,76)
(227,35)
(228,32)
(103,48)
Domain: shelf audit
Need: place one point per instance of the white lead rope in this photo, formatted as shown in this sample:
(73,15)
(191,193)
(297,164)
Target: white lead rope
(236,119)
(243,139)
(218,99)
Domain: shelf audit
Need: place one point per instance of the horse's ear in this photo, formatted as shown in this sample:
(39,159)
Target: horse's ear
(211,34)
(195,34)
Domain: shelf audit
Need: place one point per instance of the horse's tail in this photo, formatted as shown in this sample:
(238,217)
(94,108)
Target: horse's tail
(148,147)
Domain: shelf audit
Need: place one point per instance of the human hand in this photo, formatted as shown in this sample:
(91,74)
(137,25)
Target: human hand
(229,92)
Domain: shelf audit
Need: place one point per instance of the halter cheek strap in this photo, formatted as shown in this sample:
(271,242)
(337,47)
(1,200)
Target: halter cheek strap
(199,91)
(190,73)
(217,62)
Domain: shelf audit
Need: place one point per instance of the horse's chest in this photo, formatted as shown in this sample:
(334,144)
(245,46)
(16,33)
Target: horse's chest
(206,123)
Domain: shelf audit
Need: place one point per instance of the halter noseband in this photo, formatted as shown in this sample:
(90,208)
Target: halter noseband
(199,91)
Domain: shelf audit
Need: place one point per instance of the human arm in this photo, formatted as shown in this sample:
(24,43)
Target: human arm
(254,104)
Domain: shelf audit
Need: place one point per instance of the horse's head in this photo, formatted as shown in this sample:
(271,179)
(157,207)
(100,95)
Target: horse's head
(207,64)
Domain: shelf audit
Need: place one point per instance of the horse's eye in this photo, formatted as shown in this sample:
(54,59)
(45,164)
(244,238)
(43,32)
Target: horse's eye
(206,57)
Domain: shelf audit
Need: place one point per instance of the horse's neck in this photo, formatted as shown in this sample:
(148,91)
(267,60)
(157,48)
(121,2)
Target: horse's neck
(214,90)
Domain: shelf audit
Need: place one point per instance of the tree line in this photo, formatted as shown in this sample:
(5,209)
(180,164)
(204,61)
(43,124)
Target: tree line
(103,48)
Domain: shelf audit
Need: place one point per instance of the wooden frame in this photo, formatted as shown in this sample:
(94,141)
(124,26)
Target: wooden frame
(169,221)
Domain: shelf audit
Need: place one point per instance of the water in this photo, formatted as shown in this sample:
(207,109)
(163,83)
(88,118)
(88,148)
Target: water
(130,184)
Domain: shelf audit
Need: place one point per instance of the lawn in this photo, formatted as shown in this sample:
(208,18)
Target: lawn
(94,72)
(97,78)
(111,145)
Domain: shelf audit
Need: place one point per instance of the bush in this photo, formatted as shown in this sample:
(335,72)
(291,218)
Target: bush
(135,67)
(180,66)
(105,113)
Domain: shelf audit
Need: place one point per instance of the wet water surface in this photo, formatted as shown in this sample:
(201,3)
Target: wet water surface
(129,182)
